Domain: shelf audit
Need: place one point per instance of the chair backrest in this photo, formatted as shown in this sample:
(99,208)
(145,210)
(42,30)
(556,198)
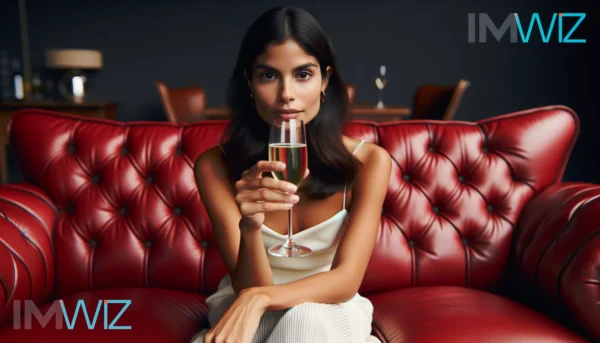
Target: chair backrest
(184,104)
(438,102)
(130,214)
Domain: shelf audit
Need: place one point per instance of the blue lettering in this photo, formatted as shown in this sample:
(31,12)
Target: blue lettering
(112,324)
(535,18)
(566,38)
(80,303)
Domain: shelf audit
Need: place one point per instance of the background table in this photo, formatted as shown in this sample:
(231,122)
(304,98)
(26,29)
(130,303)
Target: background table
(358,112)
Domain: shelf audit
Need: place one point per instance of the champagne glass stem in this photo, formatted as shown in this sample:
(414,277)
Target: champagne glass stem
(290,241)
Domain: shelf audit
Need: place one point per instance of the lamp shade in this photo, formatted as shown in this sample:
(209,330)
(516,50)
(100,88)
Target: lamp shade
(73,59)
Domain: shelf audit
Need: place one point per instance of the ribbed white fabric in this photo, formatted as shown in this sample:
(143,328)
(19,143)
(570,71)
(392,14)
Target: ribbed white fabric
(347,322)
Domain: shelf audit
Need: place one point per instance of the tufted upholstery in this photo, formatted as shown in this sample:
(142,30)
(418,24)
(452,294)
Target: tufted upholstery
(127,214)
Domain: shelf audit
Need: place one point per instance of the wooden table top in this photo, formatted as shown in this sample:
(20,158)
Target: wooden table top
(359,110)
(50,104)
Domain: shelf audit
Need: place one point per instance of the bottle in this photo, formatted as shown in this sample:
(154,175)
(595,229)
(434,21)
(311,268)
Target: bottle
(17,80)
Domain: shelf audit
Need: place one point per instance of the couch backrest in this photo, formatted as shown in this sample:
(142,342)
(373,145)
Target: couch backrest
(131,215)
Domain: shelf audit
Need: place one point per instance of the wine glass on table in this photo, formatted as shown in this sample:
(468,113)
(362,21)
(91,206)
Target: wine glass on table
(287,144)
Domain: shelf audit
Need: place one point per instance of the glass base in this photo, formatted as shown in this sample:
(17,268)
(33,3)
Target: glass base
(293,250)
(380,105)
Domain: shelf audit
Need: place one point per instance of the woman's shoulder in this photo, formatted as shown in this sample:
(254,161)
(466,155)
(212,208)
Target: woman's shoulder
(368,153)
(210,160)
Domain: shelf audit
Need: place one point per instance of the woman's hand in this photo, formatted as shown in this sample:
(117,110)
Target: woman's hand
(256,195)
(240,322)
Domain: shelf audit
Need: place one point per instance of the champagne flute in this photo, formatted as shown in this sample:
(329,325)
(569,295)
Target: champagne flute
(287,144)
(381,82)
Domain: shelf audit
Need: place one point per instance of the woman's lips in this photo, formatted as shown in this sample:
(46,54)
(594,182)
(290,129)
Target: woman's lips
(288,116)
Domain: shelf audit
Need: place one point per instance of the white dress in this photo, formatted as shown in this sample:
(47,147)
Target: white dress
(346,322)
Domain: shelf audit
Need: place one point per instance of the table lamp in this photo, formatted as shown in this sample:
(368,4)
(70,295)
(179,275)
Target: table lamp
(72,83)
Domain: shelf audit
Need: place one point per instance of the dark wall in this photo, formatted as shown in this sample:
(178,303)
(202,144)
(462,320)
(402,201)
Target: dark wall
(420,42)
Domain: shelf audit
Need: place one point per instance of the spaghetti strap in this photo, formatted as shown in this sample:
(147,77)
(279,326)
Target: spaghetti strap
(358,146)
(346,186)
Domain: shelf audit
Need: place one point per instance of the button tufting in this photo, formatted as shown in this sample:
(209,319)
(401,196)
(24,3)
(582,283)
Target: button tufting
(461,179)
(148,243)
(96,179)
(71,148)
(430,149)
(93,243)
(436,209)
(411,243)
(490,208)
(179,151)
(465,241)
(149,179)
(406,177)
(122,211)
(124,151)
(204,244)
(485,149)
(177,211)
(70,208)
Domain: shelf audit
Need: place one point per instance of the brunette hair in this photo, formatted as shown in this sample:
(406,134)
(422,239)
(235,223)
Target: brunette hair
(246,139)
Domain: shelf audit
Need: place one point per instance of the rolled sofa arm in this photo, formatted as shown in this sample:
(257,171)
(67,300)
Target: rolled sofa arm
(557,253)
(27,218)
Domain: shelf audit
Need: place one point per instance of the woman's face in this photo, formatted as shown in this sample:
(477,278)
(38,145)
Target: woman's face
(286,83)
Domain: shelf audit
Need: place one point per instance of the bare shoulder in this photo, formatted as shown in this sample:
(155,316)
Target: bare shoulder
(210,162)
(369,155)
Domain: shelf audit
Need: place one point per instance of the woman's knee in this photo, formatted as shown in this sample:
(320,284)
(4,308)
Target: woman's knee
(306,314)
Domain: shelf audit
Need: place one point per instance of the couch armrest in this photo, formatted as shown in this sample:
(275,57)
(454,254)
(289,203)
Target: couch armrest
(27,218)
(557,254)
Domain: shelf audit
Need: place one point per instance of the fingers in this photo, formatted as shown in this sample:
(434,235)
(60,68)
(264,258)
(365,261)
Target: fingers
(265,182)
(261,167)
(250,208)
(266,195)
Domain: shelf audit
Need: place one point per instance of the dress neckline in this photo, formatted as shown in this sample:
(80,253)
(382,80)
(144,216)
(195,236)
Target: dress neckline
(312,228)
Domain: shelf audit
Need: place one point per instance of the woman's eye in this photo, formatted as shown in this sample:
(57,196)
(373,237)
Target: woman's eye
(267,76)
(304,75)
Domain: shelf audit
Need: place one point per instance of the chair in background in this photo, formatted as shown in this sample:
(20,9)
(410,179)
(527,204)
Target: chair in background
(351,92)
(438,102)
(184,104)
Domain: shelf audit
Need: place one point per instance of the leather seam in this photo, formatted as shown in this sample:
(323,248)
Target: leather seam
(565,227)
(15,272)
(543,222)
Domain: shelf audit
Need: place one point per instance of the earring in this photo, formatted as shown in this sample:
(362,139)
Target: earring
(322,96)
(251,98)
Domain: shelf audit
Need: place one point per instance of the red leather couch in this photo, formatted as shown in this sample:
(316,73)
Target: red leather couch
(479,239)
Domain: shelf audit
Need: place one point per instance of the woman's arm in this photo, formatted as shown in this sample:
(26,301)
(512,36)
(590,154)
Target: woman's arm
(242,250)
(354,251)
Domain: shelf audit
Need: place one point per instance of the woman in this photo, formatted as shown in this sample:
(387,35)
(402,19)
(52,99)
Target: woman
(287,69)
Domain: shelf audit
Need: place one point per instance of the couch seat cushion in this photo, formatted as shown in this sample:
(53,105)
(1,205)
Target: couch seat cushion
(456,314)
(155,315)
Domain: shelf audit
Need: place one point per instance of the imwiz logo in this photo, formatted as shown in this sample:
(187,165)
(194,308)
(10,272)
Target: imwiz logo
(514,22)
(58,311)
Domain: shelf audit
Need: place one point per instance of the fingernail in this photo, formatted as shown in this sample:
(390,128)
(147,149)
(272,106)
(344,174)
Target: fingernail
(291,188)
(281,165)
(288,205)
(295,198)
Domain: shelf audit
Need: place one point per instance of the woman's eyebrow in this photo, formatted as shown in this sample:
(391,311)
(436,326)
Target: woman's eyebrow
(270,68)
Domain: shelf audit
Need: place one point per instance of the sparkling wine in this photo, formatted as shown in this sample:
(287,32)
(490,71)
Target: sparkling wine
(295,156)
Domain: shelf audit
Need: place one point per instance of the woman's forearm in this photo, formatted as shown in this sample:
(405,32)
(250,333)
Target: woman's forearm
(331,287)
(252,268)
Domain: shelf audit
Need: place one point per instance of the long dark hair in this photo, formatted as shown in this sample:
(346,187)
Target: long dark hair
(246,139)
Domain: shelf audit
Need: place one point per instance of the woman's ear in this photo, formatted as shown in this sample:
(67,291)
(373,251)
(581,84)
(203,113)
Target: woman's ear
(326,77)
